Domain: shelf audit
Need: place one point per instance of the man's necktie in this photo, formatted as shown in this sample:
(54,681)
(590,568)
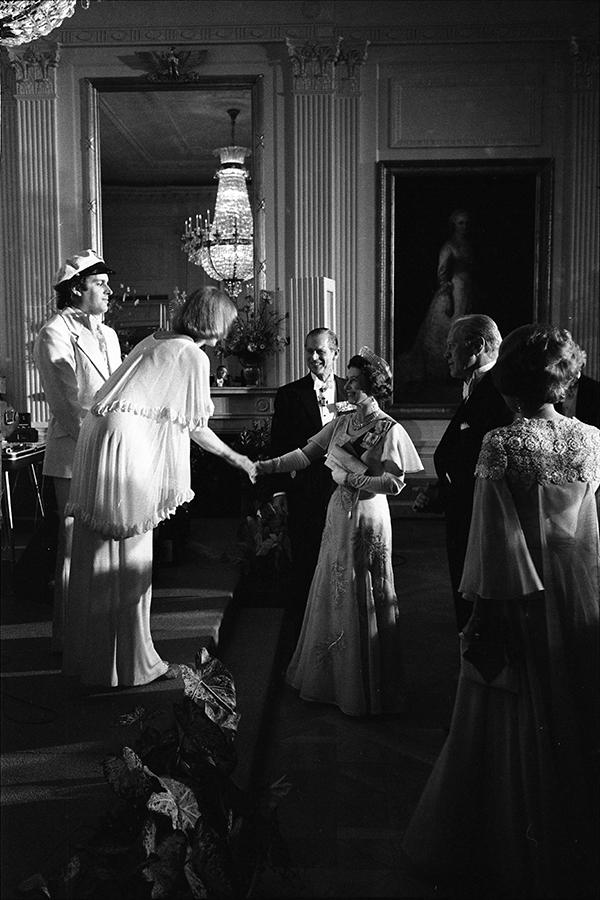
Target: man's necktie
(322,391)
(102,344)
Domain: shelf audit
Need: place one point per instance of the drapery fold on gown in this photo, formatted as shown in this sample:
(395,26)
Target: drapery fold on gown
(132,458)
(131,471)
(512,791)
(349,651)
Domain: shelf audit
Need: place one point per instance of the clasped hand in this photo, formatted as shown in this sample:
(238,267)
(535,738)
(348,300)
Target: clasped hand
(250,468)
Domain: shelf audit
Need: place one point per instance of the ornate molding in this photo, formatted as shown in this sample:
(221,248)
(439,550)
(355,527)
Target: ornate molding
(170,65)
(506,97)
(34,69)
(313,65)
(325,68)
(585,64)
(315,31)
(351,58)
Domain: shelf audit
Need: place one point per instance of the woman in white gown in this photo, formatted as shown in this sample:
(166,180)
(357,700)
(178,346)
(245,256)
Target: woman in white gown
(508,810)
(454,297)
(348,652)
(131,471)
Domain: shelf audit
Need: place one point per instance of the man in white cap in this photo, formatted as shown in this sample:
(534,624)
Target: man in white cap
(75,353)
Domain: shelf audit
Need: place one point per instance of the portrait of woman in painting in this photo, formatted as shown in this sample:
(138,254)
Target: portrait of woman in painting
(454,297)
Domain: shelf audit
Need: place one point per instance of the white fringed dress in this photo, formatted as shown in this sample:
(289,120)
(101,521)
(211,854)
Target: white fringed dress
(131,471)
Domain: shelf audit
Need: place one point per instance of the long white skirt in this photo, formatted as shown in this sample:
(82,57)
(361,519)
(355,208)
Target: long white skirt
(348,652)
(107,629)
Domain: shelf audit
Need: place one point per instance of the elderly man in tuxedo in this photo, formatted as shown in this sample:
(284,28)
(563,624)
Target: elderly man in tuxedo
(75,353)
(471,351)
(301,409)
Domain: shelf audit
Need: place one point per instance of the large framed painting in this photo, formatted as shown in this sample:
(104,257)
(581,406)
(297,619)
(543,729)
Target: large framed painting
(456,237)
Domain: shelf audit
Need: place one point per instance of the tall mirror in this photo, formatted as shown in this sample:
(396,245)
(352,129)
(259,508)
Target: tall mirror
(150,164)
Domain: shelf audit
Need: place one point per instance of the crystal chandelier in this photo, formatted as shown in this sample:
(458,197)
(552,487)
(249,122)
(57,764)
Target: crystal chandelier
(225,247)
(22,21)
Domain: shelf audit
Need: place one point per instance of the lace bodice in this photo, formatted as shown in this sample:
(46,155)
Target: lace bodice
(555,451)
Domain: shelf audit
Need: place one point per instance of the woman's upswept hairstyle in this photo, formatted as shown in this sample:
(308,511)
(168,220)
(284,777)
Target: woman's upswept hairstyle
(207,313)
(538,364)
(378,378)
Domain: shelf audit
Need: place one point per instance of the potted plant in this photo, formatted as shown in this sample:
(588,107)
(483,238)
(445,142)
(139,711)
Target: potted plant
(256,332)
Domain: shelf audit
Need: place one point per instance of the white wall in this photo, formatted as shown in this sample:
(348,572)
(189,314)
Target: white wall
(522,44)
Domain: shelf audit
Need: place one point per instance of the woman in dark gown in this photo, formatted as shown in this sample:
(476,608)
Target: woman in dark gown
(509,808)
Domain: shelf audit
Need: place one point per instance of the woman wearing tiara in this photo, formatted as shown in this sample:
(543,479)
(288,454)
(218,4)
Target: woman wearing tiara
(348,653)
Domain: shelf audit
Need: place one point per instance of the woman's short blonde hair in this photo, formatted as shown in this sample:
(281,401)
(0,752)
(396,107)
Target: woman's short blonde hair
(538,364)
(207,313)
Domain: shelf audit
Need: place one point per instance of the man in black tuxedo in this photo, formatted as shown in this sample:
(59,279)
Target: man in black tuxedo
(471,351)
(301,409)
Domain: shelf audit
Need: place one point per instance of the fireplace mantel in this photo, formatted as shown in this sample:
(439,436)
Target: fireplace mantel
(237,408)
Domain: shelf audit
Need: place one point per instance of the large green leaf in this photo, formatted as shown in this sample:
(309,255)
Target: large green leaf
(210,685)
(129,777)
(202,741)
(177,801)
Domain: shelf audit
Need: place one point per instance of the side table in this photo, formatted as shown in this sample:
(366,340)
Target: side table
(17,458)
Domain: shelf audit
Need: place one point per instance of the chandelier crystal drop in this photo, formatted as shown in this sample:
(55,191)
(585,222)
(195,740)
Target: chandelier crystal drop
(225,247)
(22,21)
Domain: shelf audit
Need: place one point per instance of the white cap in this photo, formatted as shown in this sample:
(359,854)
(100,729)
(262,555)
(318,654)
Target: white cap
(86,262)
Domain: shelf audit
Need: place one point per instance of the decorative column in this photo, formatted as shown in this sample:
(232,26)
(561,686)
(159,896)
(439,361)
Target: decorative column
(584,287)
(30,227)
(325,97)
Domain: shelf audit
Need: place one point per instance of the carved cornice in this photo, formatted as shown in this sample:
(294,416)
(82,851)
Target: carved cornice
(585,64)
(315,31)
(34,69)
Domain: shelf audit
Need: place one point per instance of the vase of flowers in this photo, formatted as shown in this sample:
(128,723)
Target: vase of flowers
(255,333)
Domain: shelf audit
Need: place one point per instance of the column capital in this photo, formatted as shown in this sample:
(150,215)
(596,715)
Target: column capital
(313,66)
(34,69)
(320,68)
(349,62)
(584,54)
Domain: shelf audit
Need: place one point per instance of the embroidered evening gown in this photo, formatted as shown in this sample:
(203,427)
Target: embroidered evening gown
(511,795)
(348,652)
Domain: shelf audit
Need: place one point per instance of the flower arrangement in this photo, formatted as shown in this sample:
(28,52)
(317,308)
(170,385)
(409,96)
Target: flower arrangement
(175,301)
(256,330)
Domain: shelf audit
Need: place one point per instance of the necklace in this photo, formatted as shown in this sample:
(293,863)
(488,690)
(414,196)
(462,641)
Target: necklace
(358,422)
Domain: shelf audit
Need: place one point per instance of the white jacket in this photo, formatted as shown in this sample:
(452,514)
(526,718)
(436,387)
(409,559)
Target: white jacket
(72,368)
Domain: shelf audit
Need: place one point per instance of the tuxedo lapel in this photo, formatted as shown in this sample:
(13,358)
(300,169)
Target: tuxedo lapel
(308,398)
(478,400)
(340,391)
(85,343)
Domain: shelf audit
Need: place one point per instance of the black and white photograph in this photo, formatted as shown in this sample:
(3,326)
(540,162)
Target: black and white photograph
(300,465)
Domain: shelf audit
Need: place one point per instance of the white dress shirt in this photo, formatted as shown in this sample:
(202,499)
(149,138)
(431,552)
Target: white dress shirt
(325,391)
(476,375)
